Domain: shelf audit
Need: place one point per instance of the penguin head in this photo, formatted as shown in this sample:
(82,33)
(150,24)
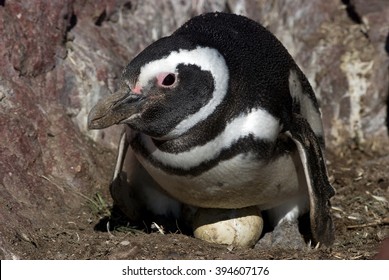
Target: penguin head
(168,88)
(215,62)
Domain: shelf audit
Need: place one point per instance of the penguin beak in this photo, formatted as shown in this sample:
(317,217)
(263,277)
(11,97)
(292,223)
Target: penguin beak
(114,109)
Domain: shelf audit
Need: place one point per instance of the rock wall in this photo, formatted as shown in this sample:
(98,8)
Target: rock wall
(57,58)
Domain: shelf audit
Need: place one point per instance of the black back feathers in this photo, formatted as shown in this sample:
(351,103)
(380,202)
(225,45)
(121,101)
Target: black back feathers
(259,64)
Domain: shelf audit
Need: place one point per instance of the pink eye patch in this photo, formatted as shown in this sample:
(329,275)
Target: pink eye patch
(166,79)
(137,89)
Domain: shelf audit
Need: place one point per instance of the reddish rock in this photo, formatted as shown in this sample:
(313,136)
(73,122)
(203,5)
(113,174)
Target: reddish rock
(383,253)
(44,158)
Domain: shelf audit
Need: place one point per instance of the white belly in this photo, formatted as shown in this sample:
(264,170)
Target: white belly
(235,183)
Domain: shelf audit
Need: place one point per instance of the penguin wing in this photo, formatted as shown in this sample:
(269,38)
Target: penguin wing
(319,188)
(133,189)
(120,187)
(121,154)
(126,184)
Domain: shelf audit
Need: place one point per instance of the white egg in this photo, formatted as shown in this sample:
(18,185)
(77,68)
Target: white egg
(237,227)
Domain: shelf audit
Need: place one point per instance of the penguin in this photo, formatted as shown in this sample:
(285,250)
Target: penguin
(218,115)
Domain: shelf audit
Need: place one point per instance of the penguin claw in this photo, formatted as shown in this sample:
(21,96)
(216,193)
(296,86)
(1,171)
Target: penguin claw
(285,235)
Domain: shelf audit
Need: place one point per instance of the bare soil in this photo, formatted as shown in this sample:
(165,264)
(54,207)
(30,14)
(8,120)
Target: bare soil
(360,211)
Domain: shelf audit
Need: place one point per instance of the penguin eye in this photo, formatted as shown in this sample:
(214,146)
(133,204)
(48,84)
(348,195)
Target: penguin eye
(166,80)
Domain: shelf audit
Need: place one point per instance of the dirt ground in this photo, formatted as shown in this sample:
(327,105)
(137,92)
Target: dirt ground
(360,211)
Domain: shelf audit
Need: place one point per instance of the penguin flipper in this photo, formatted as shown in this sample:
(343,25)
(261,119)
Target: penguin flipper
(319,188)
(121,154)
(132,188)
(120,187)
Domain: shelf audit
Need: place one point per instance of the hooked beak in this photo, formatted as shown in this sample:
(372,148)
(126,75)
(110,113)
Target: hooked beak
(113,109)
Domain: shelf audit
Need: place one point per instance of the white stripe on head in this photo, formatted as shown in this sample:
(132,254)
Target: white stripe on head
(207,59)
(258,123)
(307,108)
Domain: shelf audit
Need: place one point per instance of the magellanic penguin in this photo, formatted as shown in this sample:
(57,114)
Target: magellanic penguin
(218,115)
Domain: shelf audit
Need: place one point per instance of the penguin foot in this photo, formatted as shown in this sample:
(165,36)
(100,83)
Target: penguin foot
(285,235)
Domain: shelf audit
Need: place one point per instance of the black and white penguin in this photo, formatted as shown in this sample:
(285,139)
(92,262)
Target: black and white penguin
(218,115)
